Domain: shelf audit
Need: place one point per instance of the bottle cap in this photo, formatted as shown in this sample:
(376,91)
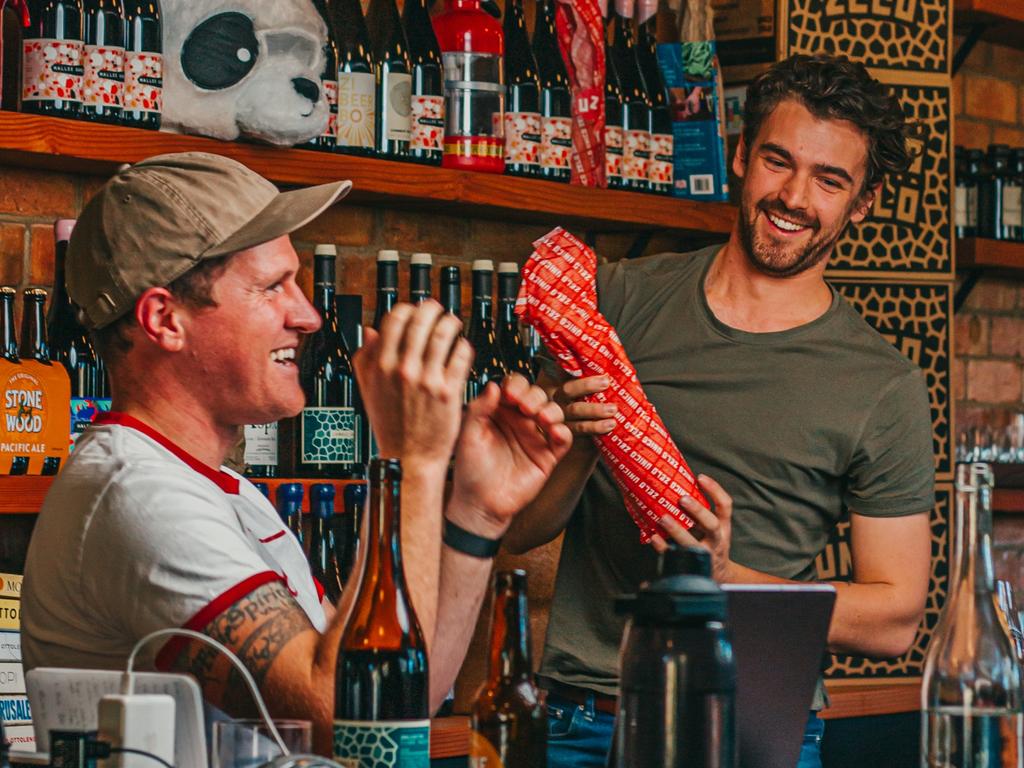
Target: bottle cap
(355,494)
(387,256)
(326,249)
(422,258)
(289,492)
(263,488)
(450,273)
(482,265)
(508,267)
(62,229)
(321,492)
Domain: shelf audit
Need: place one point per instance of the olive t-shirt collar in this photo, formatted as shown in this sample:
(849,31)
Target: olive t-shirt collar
(750,337)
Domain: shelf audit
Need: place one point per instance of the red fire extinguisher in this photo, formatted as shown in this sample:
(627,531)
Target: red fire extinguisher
(472,49)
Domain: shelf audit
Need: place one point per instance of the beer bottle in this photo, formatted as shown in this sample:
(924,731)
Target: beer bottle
(328,84)
(487,362)
(289,507)
(51,65)
(34,345)
(393,79)
(509,725)
(143,65)
(381,705)
(323,561)
(103,28)
(9,352)
(357,100)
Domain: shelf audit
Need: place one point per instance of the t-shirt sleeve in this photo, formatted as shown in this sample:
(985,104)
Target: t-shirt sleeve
(893,470)
(167,554)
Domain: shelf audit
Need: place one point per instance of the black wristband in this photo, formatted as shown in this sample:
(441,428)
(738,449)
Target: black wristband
(461,540)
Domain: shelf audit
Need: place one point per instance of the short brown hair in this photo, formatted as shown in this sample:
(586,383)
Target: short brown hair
(835,88)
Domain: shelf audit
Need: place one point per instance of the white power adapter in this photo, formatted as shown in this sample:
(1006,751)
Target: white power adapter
(143,722)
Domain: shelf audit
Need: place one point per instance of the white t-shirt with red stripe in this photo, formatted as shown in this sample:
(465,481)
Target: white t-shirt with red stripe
(136,535)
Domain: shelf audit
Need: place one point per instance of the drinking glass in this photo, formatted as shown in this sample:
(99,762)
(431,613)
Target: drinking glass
(248,743)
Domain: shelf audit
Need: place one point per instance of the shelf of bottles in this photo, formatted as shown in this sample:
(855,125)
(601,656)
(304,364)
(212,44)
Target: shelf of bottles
(1003,20)
(989,217)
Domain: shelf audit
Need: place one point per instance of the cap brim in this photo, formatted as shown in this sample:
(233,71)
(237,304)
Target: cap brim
(286,213)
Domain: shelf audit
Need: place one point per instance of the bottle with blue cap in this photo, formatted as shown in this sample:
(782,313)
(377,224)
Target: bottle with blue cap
(262,488)
(289,507)
(323,560)
(351,522)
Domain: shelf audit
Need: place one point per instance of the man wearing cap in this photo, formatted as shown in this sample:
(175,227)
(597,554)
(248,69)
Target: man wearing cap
(184,273)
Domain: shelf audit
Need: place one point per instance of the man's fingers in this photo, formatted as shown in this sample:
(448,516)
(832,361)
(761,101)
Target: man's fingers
(589,411)
(440,344)
(457,369)
(602,427)
(574,389)
(418,331)
(678,532)
(718,495)
(392,331)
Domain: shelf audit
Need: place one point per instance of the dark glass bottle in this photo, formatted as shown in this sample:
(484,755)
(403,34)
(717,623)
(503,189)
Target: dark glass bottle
(9,352)
(329,428)
(34,344)
(990,192)
(387,285)
(510,342)
(355,508)
(419,277)
(382,672)
(974,169)
(70,344)
(262,488)
(289,507)
(1013,214)
(103,25)
(426,141)
(612,112)
(357,90)
(960,192)
(636,137)
(659,166)
(522,92)
(393,74)
(487,362)
(328,83)
(51,65)
(323,559)
(143,64)
(451,291)
(555,96)
(508,719)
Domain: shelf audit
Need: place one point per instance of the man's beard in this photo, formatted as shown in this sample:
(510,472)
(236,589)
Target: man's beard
(775,259)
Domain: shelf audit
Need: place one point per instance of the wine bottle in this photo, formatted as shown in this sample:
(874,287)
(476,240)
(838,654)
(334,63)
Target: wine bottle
(262,488)
(487,364)
(636,131)
(355,507)
(555,96)
(103,25)
(393,75)
(451,291)
(323,559)
(659,167)
(387,284)
(9,352)
(328,84)
(419,277)
(143,65)
(261,453)
(289,507)
(34,344)
(426,142)
(381,678)
(990,192)
(510,342)
(522,92)
(329,429)
(612,111)
(357,90)
(508,720)
(51,64)
(70,344)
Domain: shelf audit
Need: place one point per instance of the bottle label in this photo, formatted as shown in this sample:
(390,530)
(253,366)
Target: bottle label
(396,88)
(52,70)
(1012,206)
(482,753)
(522,138)
(84,411)
(143,81)
(613,151)
(636,151)
(382,744)
(261,445)
(331,94)
(329,436)
(960,206)
(357,109)
(103,76)
(556,142)
(659,169)
(427,123)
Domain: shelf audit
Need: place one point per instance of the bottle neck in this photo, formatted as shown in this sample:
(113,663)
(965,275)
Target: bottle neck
(419,283)
(972,564)
(384,550)
(507,311)
(451,297)
(33,331)
(323,299)
(8,339)
(510,637)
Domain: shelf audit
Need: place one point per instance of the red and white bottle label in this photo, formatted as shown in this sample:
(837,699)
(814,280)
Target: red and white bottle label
(659,169)
(556,142)
(51,70)
(636,153)
(143,81)
(427,123)
(523,138)
(613,151)
(331,95)
(103,76)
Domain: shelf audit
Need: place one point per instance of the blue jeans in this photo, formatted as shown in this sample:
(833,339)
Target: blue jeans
(580,737)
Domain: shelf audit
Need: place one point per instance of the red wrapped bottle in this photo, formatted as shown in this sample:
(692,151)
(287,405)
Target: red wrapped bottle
(472,49)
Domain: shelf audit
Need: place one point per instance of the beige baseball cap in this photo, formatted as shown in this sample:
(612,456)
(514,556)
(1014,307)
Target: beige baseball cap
(156,220)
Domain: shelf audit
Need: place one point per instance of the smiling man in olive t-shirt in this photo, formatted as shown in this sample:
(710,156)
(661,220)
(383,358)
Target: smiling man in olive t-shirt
(770,383)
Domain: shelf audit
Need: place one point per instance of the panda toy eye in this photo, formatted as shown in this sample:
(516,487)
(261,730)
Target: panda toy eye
(220,52)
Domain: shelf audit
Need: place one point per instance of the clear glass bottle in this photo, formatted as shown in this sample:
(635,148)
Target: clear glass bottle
(971,694)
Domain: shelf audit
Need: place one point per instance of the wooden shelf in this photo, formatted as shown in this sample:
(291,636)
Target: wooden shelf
(983,253)
(22,494)
(1003,20)
(81,147)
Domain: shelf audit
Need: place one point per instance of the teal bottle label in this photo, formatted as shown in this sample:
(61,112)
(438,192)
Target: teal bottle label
(330,436)
(382,744)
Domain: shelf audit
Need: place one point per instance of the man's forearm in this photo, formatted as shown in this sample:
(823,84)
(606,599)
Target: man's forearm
(422,509)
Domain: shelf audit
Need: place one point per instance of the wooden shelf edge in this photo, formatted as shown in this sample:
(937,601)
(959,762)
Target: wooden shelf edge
(77,146)
(22,494)
(867,699)
(980,252)
(449,737)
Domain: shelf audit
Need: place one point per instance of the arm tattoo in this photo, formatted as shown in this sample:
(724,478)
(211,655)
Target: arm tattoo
(256,628)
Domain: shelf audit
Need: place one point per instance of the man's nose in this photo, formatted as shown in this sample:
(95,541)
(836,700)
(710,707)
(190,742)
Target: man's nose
(794,193)
(303,315)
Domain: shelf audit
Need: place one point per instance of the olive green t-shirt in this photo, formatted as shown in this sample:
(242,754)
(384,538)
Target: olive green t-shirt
(798,426)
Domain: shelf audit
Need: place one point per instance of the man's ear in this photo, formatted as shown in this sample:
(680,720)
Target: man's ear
(862,206)
(160,317)
(739,160)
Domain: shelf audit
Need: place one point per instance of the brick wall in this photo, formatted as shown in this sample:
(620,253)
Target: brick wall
(988,95)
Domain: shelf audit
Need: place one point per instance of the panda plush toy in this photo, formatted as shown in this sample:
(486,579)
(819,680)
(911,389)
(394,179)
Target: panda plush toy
(248,68)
